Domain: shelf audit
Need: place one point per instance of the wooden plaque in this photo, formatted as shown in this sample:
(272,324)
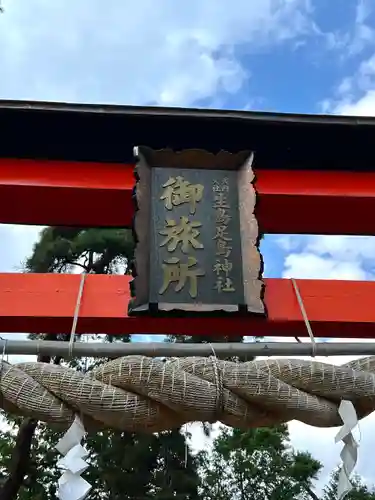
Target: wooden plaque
(197,238)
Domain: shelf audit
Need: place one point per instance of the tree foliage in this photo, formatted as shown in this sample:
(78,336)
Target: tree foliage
(360,490)
(256,464)
(123,465)
(95,250)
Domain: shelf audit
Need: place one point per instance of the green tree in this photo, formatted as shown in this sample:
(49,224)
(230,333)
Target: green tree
(123,465)
(257,464)
(360,490)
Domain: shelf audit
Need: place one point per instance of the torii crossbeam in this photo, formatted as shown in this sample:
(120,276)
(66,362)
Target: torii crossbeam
(73,165)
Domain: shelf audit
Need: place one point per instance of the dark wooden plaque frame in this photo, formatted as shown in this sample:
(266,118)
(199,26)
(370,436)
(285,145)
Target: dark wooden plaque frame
(252,263)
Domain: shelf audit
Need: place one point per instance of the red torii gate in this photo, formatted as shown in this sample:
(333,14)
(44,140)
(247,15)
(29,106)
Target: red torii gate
(71,165)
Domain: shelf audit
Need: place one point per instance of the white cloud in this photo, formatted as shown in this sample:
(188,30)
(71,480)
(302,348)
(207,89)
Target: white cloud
(364,106)
(320,442)
(345,248)
(360,35)
(329,257)
(310,266)
(355,94)
(341,258)
(16,244)
(170,53)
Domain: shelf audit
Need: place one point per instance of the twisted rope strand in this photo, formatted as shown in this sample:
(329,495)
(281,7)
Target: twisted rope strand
(141,394)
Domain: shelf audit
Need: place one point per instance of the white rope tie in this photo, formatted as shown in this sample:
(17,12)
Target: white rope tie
(219,386)
(76,314)
(305,318)
(71,486)
(348,415)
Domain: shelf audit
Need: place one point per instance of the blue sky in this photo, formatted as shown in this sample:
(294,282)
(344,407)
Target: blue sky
(284,55)
(305,56)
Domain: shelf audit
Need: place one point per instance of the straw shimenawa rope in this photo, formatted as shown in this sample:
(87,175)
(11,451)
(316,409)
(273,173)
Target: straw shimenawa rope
(141,394)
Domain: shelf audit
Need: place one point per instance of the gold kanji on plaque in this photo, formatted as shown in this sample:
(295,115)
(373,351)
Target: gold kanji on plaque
(222,216)
(185,232)
(178,191)
(222,248)
(225,266)
(175,271)
(221,233)
(224,285)
(218,187)
(221,200)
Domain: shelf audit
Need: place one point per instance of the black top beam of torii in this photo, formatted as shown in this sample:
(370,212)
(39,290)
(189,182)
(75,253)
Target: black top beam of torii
(106,133)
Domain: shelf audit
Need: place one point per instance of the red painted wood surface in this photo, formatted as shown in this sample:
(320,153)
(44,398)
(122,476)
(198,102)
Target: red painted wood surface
(45,303)
(42,192)
(99,194)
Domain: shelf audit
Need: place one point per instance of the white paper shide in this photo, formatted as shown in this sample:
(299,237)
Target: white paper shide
(349,453)
(71,485)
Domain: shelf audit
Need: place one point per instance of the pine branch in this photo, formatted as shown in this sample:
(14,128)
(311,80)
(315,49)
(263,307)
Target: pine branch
(313,495)
(21,454)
